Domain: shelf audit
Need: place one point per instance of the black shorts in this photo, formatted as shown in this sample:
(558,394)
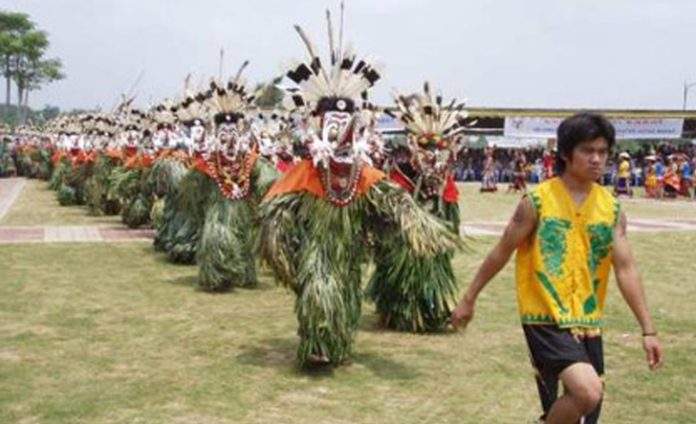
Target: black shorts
(553,349)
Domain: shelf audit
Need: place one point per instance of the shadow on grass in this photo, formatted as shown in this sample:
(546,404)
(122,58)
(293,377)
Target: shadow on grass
(162,258)
(369,323)
(184,280)
(192,281)
(280,353)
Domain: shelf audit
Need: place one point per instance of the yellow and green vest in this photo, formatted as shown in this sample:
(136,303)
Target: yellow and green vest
(563,269)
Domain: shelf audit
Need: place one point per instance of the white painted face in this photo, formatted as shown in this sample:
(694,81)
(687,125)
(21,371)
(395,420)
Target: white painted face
(335,127)
(433,160)
(101,140)
(130,137)
(73,140)
(233,138)
(336,141)
(63,141)
(161,137)
(197,133)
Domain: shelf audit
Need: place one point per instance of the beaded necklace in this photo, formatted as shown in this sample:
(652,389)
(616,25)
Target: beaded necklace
(232,175)
(348,189)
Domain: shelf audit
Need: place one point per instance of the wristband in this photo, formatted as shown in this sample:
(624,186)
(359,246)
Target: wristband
(654,334)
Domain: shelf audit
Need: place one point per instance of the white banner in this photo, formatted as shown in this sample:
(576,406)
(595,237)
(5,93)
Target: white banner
(386,123)
(642,128)
(524,127)
(648,128)
(514,142)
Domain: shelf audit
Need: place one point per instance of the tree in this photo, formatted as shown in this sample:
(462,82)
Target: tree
(34,75)
(49,112)
(22,59)
(269,95)
(12,26)
(27,65)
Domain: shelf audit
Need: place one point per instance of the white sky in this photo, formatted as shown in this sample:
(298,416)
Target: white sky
(503,53)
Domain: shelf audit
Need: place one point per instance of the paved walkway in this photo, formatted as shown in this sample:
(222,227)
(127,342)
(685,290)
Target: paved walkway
(10,189)
(12,235)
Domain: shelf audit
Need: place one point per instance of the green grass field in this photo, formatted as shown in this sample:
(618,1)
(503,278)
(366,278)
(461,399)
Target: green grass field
(112,333)
(37,206)
(499,206)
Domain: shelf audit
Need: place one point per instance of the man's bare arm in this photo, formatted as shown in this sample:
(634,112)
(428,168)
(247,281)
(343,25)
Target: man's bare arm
(520,227)
(628,277)
(631,288)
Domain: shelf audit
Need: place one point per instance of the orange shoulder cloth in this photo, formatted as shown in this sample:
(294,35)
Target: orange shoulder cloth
(305,177)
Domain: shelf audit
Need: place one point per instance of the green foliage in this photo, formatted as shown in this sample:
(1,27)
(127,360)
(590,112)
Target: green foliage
(317,249)
(225,254)
(268,95)
(157,213)
(411,292)
(93,196)
(7,164)
(60,175)
(66,195)
(183,217)
(165,176)
(136,212)
(22,59)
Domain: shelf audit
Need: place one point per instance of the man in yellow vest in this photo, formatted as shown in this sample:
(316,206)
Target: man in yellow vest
(569,232)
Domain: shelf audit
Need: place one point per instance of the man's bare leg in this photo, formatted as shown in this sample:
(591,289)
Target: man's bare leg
(583,392)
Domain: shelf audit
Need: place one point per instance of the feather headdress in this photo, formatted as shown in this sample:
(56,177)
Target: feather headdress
(193,106)
(337,85)
(273,131)
(104,125)
(163,113)
(427,118)
(132,119)
(229,102)
(72,126)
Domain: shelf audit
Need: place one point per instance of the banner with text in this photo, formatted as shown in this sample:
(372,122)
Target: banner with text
(642,128)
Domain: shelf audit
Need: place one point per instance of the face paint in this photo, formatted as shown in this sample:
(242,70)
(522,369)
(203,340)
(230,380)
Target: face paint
(432,159)
(197,133)
(74,140)
(226,134)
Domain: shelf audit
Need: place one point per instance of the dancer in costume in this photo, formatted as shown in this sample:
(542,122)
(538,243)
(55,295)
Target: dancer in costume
(66,174)
(99,200)
(519,175)
(179,230)
(651,180)
(137,189)
(125,179)
(319,219)
(686,175)
(413,292)
(7,163)
(623,176)
(225,254)
(488,181)
(273,133)
(671,181)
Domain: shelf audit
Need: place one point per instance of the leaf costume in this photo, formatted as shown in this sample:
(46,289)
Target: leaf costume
(319,220)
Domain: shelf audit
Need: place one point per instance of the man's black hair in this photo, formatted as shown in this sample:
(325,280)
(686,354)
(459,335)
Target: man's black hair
(580,128)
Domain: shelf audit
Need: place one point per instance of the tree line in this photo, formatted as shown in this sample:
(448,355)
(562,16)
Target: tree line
(24,61)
